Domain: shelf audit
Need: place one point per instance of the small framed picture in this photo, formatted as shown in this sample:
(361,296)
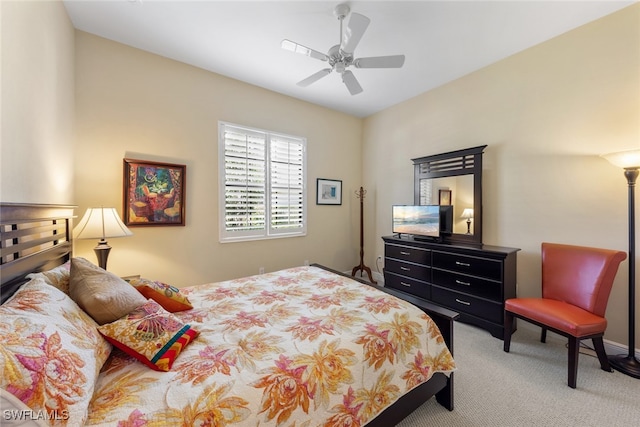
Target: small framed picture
(153,193)
(329,192)
(444,197)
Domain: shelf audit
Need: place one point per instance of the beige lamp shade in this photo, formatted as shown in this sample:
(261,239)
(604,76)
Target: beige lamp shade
(629,159)
(100,223)
(467,213)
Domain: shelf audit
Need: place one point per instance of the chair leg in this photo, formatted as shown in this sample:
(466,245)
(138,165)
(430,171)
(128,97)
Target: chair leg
(508,330)
(574,346)
(598,345)
(543,335)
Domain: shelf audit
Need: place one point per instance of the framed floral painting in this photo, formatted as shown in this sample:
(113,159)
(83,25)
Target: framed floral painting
(153,193)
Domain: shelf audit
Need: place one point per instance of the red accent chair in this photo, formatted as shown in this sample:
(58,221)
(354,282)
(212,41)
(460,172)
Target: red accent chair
(576,283)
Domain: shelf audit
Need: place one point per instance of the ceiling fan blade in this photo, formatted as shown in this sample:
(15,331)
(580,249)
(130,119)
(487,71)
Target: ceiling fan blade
(298,48)
(314,77)
(352,84)
(354,32)
(393,61)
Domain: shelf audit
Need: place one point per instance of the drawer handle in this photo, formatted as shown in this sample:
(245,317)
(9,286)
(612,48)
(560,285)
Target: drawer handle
(463,264)
(405,269)
(463,302)
(405,284)
(405,253)
(460,282)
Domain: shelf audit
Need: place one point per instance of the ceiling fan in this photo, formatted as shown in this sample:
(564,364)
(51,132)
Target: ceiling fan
(340,56)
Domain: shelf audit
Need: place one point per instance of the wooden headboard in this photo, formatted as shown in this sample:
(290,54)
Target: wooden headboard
(33,237)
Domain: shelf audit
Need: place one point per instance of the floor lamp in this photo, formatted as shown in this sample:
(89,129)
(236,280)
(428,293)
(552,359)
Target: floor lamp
(630,162)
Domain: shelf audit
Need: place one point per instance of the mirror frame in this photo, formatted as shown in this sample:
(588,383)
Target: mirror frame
(454,163)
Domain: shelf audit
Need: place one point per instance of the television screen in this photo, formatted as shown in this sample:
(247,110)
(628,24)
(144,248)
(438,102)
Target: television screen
(423,220)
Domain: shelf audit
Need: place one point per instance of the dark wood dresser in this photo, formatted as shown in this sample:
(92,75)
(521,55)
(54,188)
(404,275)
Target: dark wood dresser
(474,281)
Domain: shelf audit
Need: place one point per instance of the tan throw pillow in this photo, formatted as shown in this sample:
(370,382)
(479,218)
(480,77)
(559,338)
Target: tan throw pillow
(103,295)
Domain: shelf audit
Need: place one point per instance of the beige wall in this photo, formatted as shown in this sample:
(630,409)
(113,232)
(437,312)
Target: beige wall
(546,115)
(37,105)
(139,105)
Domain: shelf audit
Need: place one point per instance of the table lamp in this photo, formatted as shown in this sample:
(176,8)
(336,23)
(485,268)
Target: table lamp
(468,215)
(100,223)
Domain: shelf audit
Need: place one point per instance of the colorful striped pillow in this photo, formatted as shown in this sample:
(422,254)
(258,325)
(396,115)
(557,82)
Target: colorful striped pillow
(151,334)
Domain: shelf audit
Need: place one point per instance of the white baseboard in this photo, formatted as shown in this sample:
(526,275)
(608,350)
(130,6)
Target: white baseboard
(613,348)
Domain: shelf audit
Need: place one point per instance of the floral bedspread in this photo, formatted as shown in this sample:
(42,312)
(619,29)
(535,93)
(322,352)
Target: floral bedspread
(298,347)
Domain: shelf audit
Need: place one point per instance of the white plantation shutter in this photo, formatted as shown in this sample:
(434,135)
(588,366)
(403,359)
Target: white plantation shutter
(262,184)
(287,184)
(245,180)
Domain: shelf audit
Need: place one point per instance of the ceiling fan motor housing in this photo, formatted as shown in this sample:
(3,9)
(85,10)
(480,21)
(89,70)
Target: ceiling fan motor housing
(338,59)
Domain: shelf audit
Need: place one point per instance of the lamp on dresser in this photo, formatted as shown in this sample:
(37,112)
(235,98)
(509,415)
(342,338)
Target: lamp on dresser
(468,215)
(100,223)
(630,162)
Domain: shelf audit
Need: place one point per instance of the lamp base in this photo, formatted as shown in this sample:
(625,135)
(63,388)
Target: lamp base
(102,253)
(626,364)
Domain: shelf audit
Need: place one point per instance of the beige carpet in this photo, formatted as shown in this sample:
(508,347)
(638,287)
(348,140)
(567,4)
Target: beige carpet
(528,386)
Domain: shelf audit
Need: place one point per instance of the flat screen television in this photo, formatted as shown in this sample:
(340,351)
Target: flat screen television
(417,220)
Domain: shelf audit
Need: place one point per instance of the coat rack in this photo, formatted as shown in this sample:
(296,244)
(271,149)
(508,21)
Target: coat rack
(362,268)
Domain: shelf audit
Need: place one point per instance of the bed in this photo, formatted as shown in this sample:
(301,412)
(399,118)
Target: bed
(305,346)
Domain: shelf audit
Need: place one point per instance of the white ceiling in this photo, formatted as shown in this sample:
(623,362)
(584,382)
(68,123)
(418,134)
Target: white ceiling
(442,40)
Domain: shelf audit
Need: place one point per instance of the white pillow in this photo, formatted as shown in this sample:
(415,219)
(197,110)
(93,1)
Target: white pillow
(50,352)
(57,276)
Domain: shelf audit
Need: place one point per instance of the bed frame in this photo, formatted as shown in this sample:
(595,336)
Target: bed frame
(37,237)
(33,237)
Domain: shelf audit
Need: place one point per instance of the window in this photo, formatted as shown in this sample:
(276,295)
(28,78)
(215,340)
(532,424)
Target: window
(262,184)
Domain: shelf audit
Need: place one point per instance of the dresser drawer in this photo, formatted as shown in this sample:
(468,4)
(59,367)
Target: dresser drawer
(407,284)
(416,271)
(490,311)
(408,253)
(469,284)
(484,267)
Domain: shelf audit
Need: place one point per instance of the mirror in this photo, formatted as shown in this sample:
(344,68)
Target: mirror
(455,179)
(456,191)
